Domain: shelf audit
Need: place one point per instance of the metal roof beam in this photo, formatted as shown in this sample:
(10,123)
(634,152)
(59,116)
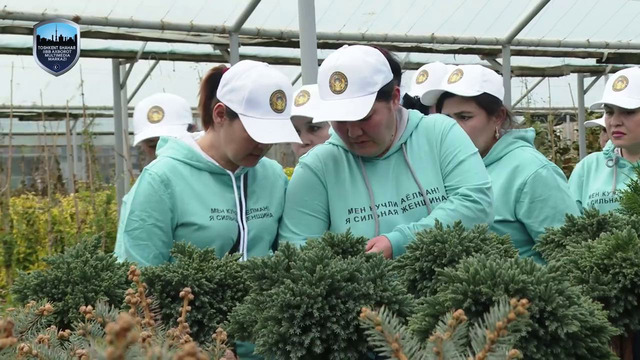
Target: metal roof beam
(334,36)
(237,25)
(524,21)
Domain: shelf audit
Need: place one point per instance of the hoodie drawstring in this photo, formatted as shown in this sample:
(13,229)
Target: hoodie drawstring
(372,201)
(243,197)
(415,178)
(613,163)
(240,213)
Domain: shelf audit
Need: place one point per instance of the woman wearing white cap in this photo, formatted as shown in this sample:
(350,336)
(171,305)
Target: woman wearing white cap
(603,137)
(217,192)
(425,78)
(159,115)
(530,192)
(385,173)
(305,102)
(597,177)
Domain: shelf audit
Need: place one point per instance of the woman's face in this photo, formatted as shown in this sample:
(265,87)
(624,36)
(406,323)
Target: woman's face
(238,146)
(311,134)
(480,127)
(373,135)
(623,126)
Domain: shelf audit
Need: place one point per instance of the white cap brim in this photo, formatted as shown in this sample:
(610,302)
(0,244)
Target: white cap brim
(352,109)
(431,97)
(270,131)
(623,102)
(157,131)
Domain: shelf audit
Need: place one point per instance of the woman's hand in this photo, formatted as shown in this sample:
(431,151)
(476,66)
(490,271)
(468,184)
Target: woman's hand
(380,244)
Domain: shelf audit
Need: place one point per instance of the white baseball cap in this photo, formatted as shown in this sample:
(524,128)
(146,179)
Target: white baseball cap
(622,89)
(306,102)
(427,77)
(467,81)
(261,96)
(161,115)
(595,122)
(348,82)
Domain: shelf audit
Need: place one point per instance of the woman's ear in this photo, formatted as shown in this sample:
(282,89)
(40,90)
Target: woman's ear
(501,116)
(219,113)
(395,97)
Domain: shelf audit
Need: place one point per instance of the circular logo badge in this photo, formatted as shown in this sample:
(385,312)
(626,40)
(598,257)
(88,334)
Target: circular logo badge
(278,101)
(155,114)
(621,83)
(338,83)
(423,75)
(455,76)
(302,98)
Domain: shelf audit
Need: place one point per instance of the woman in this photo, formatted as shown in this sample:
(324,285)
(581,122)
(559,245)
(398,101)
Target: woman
(385,172)
(305,101)
(598,177)
(217,191)
(530,192)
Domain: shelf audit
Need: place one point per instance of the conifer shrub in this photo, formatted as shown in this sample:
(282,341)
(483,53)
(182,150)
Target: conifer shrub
(80,276)
(492,337)
(553,245)
(630,197)
(563,323)
(608,268)
(304,303)
(442,247)
(218,285)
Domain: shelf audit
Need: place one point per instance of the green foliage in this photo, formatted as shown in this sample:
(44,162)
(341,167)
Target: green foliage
(441,247)
(630,197)
(564,323)
(608,269)
(218,285)
(558,147)
(554,243)
(32,240)
(304,303)
(81,276)
(450,339)
(95,337)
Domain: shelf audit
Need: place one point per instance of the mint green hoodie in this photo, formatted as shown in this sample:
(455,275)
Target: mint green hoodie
(333,189)
(596,179)
(530,192)
(184,196)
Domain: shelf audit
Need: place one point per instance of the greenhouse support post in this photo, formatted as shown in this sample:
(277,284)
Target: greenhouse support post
(582,144)
(118,132)
(308,41)
(125,127)
(506,75)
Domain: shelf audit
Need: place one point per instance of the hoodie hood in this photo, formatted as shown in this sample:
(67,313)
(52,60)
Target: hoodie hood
(186,150)
(413,118)
(510,141)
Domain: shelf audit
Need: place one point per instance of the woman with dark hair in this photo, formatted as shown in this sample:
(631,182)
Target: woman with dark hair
(530,192)
(385,172)
(217,191)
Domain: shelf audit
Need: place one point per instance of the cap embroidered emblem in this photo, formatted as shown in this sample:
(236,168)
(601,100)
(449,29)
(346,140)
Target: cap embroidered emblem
(455,76)
(422,77)
(278,101)
(302,98)
(155,114)
(338,83)
(621,83)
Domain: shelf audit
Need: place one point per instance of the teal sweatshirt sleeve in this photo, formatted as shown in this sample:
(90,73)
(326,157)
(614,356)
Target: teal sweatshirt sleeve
(576,184)
(306,211)
(145,233)
(467,185)
(544,201)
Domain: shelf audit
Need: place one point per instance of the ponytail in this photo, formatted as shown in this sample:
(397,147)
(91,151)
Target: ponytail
(208,98)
